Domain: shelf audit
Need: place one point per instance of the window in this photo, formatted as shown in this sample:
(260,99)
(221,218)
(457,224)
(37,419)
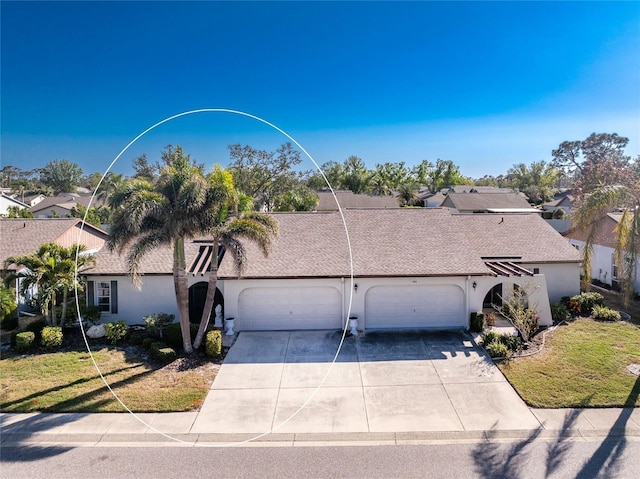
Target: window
(103,294)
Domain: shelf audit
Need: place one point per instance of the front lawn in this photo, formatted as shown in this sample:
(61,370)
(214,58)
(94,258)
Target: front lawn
(68,382)
(584,364)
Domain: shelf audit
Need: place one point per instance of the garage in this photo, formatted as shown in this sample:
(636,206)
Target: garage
(279,308)
(415,306)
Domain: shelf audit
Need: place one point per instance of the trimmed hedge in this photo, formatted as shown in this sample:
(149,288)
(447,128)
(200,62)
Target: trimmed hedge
(25,341)
(51,337)
(476,324)
(213,343)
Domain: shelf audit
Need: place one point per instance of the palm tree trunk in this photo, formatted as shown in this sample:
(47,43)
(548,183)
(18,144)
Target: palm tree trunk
(211,295)
(63,315)
(182,295)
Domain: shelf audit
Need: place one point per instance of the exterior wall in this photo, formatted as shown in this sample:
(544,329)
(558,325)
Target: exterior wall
(602,263)
(156,296)
(536,286)
(53,212)
(562,279)
(91,240)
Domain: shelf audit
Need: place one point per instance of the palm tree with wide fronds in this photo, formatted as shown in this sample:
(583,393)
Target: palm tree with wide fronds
(230,226)
(52,270)
(167,212)
(624,199)
(181,204)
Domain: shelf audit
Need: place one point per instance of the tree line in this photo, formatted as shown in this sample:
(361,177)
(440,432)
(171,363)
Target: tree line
(275,182)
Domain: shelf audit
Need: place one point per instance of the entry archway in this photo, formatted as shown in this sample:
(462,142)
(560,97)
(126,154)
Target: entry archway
(197,298)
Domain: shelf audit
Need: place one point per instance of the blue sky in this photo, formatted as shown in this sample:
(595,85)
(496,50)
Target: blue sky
(483,84)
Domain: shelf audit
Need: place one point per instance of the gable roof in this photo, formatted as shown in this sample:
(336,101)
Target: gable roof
(348,199)
(65,200)
(20,236)
(398,242)
(469,202)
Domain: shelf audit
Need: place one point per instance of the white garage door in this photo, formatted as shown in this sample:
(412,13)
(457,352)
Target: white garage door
(439,306)
(289,308)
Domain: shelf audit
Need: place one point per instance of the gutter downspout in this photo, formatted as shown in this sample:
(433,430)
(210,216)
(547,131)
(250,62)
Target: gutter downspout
(343,299)
(467,306)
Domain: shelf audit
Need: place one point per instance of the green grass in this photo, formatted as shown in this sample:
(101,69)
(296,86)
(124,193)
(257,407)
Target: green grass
(583,365)
(69,382)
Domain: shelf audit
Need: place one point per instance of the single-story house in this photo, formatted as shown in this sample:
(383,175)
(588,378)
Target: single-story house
(7,202)
(60,206)
(348,199)
(424,268)
(603,267)
(475,202)
(23,236)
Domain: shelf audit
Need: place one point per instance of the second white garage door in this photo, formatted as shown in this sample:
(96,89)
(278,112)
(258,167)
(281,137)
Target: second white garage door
(261,309)
(416,306)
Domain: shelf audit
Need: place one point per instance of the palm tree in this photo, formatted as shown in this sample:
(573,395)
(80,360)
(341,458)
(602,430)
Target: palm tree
(408,194)
(255,227)
(167,212)
(52,270)
(184,203)
(595,206)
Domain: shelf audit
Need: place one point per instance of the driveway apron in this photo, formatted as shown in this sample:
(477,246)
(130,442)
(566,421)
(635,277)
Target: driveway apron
(383,381)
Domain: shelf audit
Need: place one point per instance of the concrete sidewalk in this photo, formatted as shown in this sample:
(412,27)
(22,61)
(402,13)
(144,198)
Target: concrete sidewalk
(176,429)
(282,388)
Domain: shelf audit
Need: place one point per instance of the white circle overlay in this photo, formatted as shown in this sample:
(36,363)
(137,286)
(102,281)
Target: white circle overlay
(351,279)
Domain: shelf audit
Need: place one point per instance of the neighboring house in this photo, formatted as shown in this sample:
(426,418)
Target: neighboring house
(412,268)
(348,199)
(473,202)
(20,237)
(431,200)
(564,201)
(32,200)
(7,202)
(477,189)
(603,267)
(60,206)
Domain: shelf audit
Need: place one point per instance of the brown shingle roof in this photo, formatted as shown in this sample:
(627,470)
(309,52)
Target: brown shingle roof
(348,199)
(398,242)
(484,201)
(20,236)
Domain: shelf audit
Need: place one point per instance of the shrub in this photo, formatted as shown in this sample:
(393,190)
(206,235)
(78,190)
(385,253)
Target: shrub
(559,312)
(489,337)
(8,308)
(162,352)
(116,331)
(477,322)
(158,322)
(524,318)
(36,328)
(490,318)
(165,354)
(51,337)
(9,323)
(213,343)
(91,314)
(497,349)
(25,341)
(173,334)
(605,314)
(137,337)
(586,301)
(147,342)
(513,343)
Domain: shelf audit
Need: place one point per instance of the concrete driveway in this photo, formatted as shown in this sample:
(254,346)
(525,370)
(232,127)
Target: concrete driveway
(384,381)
